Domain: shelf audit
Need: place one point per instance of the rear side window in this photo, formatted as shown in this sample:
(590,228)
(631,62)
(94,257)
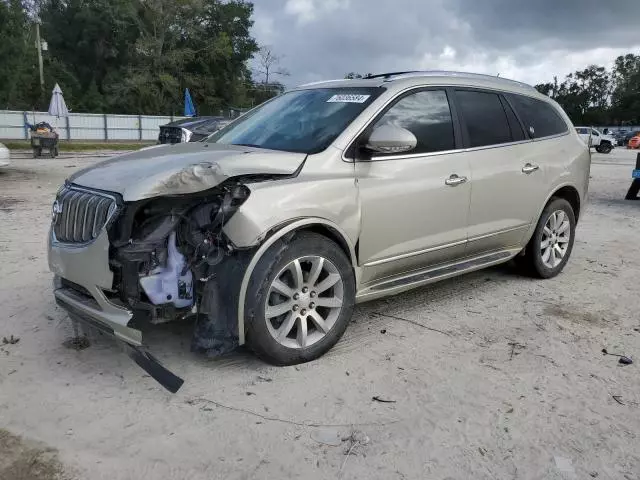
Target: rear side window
(426,114)
(484,117)
(540,119)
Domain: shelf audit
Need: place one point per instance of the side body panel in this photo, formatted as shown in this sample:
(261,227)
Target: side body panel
(505,200)
(325,188)
(410,218)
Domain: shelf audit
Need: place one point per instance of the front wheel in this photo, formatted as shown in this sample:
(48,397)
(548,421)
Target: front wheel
(550,246)
(604,148)
(300,299)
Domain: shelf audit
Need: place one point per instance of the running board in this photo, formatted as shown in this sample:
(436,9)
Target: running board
(423,277)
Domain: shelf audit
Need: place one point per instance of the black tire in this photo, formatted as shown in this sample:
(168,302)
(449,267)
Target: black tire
(532,260)
(277,257)
(599,149)
(605,148)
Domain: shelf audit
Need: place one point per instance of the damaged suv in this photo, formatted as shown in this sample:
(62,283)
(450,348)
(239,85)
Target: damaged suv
(334,193)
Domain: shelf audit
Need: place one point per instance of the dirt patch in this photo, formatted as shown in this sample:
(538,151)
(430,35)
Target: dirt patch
(7,203)
(12,173)
(25,460)
(594,319)
(77,343)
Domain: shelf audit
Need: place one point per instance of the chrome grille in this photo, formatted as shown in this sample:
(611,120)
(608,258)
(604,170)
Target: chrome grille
(80,215)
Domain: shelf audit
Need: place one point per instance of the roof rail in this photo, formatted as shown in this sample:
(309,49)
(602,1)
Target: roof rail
(447,73)
(390,74)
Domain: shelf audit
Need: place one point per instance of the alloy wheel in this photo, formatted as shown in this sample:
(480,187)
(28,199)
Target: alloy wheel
(304,301)
(555,239)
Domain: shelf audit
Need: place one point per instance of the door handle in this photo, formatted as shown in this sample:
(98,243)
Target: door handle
(454,180)
(529,168)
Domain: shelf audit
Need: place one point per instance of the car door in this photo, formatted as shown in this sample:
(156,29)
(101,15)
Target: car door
(414,205)
(507,185)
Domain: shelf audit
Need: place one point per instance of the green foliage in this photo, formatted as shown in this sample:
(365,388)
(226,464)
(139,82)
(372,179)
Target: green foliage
(128,56)
(18,60)
(596,96)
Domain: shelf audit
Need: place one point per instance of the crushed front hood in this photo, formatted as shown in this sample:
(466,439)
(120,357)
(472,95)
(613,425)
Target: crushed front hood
(183,168)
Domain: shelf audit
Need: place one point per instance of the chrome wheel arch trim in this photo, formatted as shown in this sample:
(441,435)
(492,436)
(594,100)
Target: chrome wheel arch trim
(277,235)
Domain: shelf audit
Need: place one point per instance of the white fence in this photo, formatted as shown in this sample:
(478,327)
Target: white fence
(84,126)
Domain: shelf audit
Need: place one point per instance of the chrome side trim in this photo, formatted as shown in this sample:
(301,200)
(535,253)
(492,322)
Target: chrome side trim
(499,232)
(422,277)
(412,254)
(296,225)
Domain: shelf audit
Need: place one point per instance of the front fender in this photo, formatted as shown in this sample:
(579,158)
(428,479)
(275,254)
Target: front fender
(273,238)
(275,203)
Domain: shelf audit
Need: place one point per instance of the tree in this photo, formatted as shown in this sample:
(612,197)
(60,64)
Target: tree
(126,56)
(269,64)
(625,98)
(584,95)
(19,87)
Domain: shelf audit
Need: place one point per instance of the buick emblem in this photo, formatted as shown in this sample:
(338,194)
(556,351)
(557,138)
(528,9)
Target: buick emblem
(56,210)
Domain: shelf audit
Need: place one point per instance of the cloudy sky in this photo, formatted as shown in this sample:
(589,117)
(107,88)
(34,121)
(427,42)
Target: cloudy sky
(527,40)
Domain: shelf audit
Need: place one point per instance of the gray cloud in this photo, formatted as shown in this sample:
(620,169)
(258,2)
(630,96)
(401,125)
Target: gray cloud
(529,40)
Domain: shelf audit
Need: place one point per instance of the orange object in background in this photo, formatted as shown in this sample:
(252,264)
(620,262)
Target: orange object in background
(634,142)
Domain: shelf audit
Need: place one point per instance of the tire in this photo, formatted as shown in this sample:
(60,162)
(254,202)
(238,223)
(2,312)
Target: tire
(605,148)
(282,339)
(599,149)
(533,260)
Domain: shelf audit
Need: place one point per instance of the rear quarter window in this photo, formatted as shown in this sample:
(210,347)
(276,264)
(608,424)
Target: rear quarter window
(538,116)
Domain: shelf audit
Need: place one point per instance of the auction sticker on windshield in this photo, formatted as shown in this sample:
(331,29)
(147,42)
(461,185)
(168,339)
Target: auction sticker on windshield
(345,98)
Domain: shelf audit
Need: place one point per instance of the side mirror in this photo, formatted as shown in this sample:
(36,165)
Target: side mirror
(391,139)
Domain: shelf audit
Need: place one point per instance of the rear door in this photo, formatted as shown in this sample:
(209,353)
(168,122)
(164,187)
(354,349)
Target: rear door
(414,205)
(507,182)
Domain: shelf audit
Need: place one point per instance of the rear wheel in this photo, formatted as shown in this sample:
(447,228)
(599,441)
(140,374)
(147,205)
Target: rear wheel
(550,246)
(300,299)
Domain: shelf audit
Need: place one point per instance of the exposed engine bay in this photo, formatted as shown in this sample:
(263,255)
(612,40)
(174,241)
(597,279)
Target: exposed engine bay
(171,260)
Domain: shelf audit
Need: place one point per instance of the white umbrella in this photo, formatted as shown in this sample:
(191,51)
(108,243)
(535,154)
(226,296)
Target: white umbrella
(57,107)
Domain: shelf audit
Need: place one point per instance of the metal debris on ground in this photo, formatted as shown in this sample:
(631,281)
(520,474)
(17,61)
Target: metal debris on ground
(382,400)
(623,360)
(11,340)
(515,346)
(618,399)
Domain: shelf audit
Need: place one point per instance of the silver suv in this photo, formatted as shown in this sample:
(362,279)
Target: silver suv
(331,194)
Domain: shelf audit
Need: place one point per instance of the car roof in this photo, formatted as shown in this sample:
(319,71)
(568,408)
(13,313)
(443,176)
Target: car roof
(431,77)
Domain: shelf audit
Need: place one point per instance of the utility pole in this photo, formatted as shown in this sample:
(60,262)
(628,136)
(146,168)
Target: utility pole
(39,47)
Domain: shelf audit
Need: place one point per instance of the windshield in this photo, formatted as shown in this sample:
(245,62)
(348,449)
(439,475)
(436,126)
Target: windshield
(305,121)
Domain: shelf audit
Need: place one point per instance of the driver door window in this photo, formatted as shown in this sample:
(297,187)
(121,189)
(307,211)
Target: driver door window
(427,115)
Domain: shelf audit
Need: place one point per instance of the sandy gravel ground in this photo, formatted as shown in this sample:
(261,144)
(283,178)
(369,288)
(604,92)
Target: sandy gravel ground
(507,382)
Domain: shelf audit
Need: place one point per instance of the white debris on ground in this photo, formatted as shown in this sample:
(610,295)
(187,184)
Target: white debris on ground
(512,384)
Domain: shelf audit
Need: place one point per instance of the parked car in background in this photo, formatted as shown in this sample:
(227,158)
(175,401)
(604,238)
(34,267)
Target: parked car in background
(190,129)
(4,156)
(333,193)
(598,140)
(620,135)
(634,142)
(629,136)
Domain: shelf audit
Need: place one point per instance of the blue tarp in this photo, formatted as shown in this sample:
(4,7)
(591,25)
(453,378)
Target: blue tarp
(189,109)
